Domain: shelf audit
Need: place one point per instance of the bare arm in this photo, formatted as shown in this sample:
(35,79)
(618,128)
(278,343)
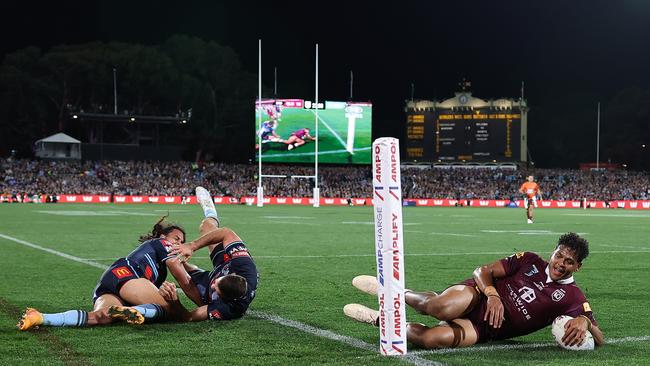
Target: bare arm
(484,277)
(184,280)
(178,312)
(575,330)
(222,235)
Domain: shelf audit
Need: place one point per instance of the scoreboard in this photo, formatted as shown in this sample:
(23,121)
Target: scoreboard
(465,134)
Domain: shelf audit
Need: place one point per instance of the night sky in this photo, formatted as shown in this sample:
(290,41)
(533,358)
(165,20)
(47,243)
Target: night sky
(558,48)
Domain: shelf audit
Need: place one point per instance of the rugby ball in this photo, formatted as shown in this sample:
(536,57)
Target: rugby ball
(557,329)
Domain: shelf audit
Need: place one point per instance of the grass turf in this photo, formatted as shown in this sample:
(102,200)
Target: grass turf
(307,258)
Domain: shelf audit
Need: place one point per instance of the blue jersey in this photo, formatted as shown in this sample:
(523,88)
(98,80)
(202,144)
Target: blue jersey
(234,259)
(148,260)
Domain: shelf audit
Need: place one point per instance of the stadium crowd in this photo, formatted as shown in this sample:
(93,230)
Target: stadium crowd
(21,176)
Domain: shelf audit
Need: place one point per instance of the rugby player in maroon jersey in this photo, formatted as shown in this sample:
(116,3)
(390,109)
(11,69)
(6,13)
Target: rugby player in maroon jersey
(508,298)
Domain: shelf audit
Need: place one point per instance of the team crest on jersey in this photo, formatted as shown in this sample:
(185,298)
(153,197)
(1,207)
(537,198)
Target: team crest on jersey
(586,307)
(519,254)
(533,271)
(215,314)
(558,295)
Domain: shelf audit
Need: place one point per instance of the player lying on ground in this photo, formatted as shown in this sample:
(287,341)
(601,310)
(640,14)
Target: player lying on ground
(132,280)
(267,133)
(511,297)
(223,293)
(298,138)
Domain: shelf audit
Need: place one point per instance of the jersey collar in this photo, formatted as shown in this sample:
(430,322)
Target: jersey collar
(565,281)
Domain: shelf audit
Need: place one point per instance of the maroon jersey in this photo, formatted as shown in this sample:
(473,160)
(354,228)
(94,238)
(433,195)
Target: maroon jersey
(531,300)
(301,133)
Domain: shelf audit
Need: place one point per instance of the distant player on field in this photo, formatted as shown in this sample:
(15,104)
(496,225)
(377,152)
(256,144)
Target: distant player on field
(511,297)
(530,189)
(298,138)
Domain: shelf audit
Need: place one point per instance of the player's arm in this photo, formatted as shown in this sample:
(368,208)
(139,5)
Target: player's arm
(484,277)
(222,235)
(575,330)
(177,310)
(178,270)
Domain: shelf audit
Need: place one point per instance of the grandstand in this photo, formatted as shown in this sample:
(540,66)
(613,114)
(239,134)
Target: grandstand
(153,178)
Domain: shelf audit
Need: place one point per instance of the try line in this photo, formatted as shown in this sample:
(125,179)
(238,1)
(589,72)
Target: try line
(322,333)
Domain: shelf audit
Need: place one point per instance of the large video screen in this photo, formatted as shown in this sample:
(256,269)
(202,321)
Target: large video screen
(288,132)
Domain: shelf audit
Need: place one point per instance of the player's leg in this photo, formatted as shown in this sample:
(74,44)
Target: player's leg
(452,303)
(299,142)
(149,303)
(457,333)
(72,318)
(211,220)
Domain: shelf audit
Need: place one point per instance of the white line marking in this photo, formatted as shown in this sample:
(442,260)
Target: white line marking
(354,342)
(452,234)
(608,215)
(331,130)
(527,232)
(55,252)
(498,347)
(93,213)
(357,343)
(295,223)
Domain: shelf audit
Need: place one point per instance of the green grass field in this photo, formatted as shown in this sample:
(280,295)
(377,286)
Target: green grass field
(332,131)
(305,282)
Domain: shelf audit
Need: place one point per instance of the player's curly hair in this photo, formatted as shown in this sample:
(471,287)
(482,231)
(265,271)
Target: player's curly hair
(161,227)
(579,245)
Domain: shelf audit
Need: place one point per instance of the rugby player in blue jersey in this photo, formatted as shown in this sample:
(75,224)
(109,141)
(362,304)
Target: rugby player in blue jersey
(132,280)
(225,292)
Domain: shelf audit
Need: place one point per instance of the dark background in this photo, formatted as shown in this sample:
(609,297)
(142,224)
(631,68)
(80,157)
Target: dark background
(571,55)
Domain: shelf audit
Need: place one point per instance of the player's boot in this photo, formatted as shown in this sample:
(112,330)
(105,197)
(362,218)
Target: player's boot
(205,200)
(365,283)
(362,313)
(31,319)
(127,314)
(530,221)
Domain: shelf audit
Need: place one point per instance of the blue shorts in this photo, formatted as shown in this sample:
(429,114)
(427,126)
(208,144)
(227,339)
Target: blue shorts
(114,278)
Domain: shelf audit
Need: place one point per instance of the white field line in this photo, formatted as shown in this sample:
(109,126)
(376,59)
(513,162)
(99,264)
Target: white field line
(331,130)
(452,234)
(502,347)
(642,216)
(289,217)
(354,342)
(406,255)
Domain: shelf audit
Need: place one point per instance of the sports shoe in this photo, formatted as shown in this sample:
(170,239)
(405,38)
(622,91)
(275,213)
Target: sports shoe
(205,200)
(530,221)
(290,146)
(31,319)
(365,283)
(129,315)
(361,313)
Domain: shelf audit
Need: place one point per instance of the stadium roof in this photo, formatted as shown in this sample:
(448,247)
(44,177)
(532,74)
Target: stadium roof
(60,137)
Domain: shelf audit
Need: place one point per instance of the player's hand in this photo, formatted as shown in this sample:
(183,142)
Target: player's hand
(575,331)
(494,312)
(168,291)
(183,252)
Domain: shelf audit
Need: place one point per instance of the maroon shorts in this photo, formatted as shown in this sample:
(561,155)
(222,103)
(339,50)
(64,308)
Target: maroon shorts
(484,330)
